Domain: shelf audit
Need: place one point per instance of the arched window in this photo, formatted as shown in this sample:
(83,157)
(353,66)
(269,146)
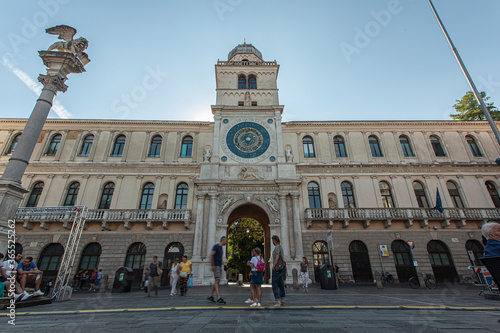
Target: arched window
(308,145)
(72,194)
(320,257)
(118,146)
(476,152)
(242,82)
(348,195)
(106,196)
(154,150)
(454,194)
(314,197)
(403,260)
(360,262)
(13,144)
(475,251)
(441,261)
(187,147)
(436,145)
(419,190)
(135,256)
(338,143)
(181,196)
(252,82)
(36,191)
(50,259)
(147,196)
(86,145)
(493,193)
(375,146)
(385,192)
(406,146)
(90,256)
(54,145)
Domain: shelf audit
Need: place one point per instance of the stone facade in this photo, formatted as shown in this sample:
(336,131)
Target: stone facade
(289,176)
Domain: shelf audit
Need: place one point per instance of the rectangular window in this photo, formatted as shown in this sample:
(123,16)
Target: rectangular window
(254,103)
(240,103)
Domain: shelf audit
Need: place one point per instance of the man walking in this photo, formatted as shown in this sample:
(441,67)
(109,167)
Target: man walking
(216,262)
(154,275)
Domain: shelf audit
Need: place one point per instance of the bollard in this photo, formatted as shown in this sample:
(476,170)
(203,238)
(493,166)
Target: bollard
(295,276)
(378,280)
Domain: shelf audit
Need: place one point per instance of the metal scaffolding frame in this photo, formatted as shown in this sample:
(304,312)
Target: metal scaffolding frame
(77,215)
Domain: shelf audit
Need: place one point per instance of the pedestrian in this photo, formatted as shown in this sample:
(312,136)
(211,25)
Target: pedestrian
(93,278)
(174,276)
(78,277)
(216,262)
(186,269)
(251,299)
(154,276)
(304,272)
(337,274)
(278,271)
(145,280)
(98,280)
(257,266)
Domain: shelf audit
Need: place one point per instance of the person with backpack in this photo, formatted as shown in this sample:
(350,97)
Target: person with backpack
(257,266)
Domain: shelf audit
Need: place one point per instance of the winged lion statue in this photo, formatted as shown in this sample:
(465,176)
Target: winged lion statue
(75,46)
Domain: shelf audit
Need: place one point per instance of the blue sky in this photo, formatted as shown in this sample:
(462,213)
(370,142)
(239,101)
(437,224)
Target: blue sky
(339,59)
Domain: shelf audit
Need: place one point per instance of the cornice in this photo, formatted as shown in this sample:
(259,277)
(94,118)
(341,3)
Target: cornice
(112,121)
(368,123)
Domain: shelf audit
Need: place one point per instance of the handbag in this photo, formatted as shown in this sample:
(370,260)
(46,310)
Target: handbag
(183,275)
(280,265)
(190,282)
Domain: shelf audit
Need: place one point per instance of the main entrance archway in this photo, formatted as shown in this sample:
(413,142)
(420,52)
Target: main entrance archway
(256,213)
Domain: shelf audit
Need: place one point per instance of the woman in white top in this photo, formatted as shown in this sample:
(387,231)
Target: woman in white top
(256,280)
(174,276)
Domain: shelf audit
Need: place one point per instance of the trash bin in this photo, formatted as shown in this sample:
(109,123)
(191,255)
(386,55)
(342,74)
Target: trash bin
(327,277)
(123,280)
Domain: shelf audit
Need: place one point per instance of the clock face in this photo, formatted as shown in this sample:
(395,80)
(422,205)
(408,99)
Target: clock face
(248,139)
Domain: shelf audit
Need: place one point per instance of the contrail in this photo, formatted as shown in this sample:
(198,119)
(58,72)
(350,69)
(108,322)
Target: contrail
(35,87)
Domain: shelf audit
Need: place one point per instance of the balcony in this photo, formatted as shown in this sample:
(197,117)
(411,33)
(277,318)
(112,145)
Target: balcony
(408,215)
(65,215)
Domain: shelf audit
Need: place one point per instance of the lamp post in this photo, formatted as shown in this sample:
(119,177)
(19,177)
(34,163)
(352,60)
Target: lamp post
(61,59)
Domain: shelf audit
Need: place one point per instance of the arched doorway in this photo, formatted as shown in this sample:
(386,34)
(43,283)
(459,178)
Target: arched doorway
(50,259)
(403,260)
(441,261)
(172,251)
(135,259)
(254,219)
(320,257)
(475,251)
(360,262)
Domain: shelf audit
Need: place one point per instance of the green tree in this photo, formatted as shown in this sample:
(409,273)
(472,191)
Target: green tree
(468,108)
(244,235)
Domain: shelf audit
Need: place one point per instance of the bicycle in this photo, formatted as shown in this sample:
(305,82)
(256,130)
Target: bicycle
(386,277)
(430,283)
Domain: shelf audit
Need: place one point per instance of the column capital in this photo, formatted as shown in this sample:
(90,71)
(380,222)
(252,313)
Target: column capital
(53,83)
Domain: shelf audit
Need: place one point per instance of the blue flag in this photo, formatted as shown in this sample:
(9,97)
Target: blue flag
(438,206)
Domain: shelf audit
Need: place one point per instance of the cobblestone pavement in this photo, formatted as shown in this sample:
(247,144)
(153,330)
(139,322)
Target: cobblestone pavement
(352,308)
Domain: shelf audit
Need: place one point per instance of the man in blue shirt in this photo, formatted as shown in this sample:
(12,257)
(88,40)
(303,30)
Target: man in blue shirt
(27,271)
(216,261)
(154,276)
(491,231)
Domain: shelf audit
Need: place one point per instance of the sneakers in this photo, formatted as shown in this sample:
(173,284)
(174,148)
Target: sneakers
(248,301)
(26,296)
(255,304)
(38,293)
(221,301)
(211,299)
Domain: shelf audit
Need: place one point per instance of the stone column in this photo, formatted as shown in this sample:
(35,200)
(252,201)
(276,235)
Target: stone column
(198,228)
(299,251)
(285,242)
(212,221)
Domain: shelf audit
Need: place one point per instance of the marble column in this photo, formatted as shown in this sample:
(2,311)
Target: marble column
(212,220)
(198,228)
(285,242)
(299,251)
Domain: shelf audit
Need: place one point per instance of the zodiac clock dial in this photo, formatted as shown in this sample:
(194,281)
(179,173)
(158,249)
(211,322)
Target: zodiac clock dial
(248,139)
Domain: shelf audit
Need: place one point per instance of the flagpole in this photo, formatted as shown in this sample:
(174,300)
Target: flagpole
(468,77)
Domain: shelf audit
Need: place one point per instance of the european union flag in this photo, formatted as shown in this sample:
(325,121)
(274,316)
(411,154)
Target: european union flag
(438,206)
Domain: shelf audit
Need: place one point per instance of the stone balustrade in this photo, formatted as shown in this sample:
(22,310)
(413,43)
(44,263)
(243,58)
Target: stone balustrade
(246,63)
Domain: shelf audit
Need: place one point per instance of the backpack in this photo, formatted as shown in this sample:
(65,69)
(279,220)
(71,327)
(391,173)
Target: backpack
(261,266)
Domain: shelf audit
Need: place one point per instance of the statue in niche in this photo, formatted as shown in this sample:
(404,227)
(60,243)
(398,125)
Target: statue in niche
(207,155)
(331,202)
(247,98)
(249,173)
(289,155)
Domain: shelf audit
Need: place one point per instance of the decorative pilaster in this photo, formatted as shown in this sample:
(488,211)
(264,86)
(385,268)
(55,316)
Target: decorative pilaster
(284,226)
(198,228)
(299,251)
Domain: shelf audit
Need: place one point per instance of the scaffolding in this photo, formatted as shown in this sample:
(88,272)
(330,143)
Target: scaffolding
(74,214)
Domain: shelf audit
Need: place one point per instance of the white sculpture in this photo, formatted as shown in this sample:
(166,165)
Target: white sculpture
(226,204)
(207,154)
(249,173)
(75,46)
(289,154)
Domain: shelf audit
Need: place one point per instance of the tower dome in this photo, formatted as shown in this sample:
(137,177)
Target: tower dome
(244,49)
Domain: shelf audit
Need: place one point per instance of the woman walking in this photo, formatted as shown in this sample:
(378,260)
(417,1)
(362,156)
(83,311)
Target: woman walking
(304,272)
(257,266)
(186,269)
(174,276)
(277,277)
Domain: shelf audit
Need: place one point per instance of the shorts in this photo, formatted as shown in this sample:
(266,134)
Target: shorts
(2,279)
(217,272)
(154,281)
(256,279)
(92,281)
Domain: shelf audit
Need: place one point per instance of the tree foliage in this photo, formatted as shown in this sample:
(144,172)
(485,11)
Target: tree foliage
(244,235)
(468,108)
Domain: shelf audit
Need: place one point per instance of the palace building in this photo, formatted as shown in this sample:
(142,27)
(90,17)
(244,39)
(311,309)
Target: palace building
(169,188)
